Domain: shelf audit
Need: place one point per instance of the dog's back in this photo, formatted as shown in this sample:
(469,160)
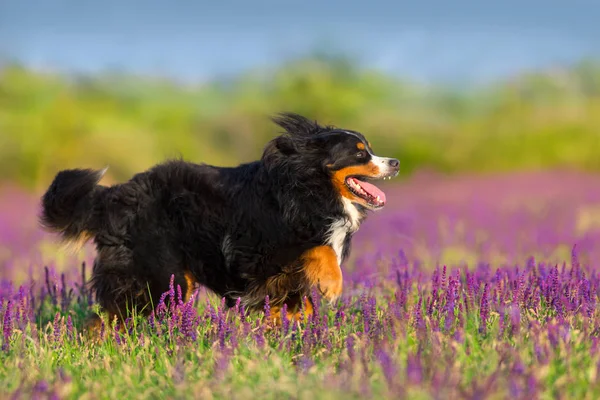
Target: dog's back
(177,218)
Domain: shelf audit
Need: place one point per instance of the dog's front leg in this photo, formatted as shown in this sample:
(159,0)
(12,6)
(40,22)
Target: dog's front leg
(322,270)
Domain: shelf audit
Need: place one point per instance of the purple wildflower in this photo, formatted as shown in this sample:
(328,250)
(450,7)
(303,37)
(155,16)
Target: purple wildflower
(285,322)
(117,335)
(161,307)
(221,331)
(23,307)
(151,320)
(267,308)
(179,295)
(418,316)
(57,328)
(259,337)
(187,321)
(7,326)
(350,348)
(307,337)
(172,292)
(315,303)
(444,277)
(450,302)
(484,310)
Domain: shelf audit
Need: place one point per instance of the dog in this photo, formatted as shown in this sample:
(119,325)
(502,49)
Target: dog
(278,227)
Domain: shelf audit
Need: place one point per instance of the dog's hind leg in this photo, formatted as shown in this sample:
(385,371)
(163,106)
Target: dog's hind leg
(119,291)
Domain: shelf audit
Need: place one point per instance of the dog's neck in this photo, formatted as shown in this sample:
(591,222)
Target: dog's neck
(353,215)
(343,226)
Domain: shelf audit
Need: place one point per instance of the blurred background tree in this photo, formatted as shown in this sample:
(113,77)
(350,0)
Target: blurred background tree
(53,121)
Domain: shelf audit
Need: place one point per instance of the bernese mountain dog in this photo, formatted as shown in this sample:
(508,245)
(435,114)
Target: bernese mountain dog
(276,227)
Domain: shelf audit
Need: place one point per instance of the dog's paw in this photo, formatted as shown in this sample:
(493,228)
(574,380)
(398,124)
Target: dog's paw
(331,288)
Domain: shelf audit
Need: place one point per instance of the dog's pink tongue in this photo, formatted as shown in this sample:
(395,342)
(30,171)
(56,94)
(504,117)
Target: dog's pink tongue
(372,190)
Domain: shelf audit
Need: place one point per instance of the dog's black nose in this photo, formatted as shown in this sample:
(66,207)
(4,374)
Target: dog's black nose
(394,163)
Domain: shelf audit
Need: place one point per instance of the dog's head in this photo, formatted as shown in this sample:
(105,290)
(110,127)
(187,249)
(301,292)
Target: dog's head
(343,155)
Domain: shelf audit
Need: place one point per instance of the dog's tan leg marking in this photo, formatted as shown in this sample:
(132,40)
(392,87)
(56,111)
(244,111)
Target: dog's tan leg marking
(294,312)
(322,270)
(190,281)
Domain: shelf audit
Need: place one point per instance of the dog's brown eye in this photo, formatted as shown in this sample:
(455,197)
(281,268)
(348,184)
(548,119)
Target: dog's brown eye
(361,154)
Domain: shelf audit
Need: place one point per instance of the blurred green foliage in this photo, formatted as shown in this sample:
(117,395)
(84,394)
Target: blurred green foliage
(49,122)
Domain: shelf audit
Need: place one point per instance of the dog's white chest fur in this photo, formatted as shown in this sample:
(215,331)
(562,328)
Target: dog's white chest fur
(340,228)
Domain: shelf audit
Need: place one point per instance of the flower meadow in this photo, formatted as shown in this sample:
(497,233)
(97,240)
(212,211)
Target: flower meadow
(462,287)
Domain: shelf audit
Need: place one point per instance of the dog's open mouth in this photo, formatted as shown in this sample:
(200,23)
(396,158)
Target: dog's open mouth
(366,191)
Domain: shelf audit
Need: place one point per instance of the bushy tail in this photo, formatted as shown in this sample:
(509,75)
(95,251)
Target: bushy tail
(67,205)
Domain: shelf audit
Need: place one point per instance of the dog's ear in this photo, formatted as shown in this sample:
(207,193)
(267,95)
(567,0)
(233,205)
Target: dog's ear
(283,145)
(295,124)
(300,137)
(277,150)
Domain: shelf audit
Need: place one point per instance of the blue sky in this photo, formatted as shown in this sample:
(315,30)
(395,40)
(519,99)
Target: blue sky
(195,40)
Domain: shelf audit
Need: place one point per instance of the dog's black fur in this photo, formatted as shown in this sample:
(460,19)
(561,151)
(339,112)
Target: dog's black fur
(232,228)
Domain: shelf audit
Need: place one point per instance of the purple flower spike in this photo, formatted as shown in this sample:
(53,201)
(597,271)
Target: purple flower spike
(172,292)
(57,328)
(285,322)
(151,320)
(7,326)
(117,335)
(23,307)
(161,306)
(418,315)
(221,332)
(260,337)
(267,308)
(350,348)
(484,310)
(179,296)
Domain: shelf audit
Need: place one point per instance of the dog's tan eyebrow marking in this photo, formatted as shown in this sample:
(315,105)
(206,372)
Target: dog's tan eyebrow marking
(360,146)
